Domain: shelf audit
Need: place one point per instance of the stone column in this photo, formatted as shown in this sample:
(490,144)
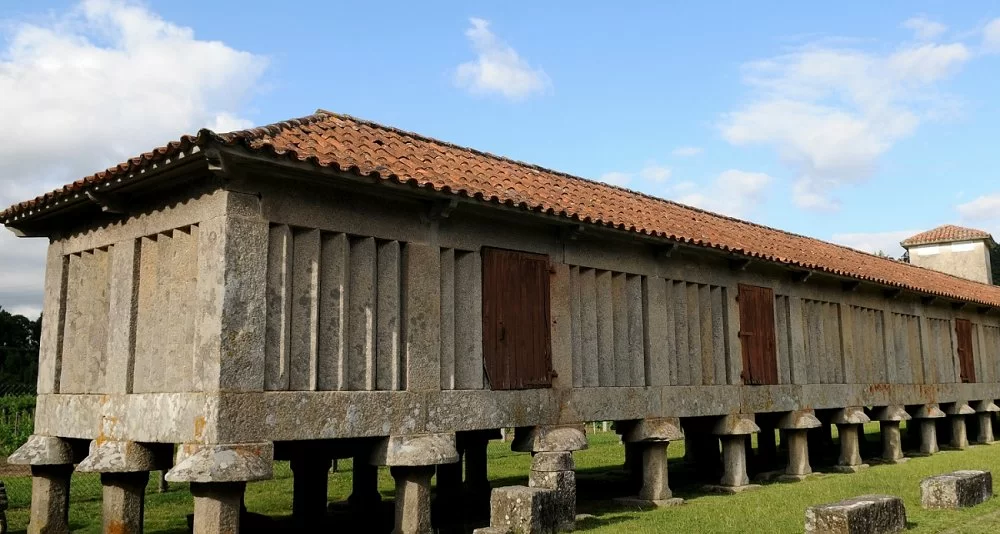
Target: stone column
(124,467)
(218,475)
(651,437)
(889,418)
(850,422)
(767,448)
(984,414)
(364,483)
(449,503)
(796,426)
(310,469)
(477,483)
(217,506)
(412,460)
(956,413)
(123,501)
(51,461)
(927,415)
(552,465)
(732,430)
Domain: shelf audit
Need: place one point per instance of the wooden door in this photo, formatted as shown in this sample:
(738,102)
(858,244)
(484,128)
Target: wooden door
(517,347)
(966,358)
(757,336)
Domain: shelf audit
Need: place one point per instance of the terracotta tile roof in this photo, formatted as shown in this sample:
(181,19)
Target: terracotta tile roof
(946,234)
(367,149)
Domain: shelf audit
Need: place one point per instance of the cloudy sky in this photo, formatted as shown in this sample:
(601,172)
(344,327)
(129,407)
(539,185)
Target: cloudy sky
(857,122)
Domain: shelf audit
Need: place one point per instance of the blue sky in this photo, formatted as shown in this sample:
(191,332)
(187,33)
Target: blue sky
(856,122)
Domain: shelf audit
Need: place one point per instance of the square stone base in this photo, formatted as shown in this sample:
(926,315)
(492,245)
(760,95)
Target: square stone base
(647,504)
(729,490)
(847,468)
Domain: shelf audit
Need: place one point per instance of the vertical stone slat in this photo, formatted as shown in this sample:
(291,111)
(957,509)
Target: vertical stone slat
(560,332)
(605,330)
(654,329)
(302,363)
(361,350)
(731,327)
(718,334)
(847,348)
(813,369)
(53,320)
(636,336)
(447,318)
(279,307)
(575,325)
(670,332)
(681,326)
(694,356)
(929,366)
(468,321)
(422,313)
(388,368)
(781,338)
(589,331)
(890,350)
(623,367)
(146,371)
(334,323)
(796,335)
(122,316)
(706,330)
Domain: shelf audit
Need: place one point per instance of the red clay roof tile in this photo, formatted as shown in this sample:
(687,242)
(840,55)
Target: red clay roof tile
(369,149)
(945,234)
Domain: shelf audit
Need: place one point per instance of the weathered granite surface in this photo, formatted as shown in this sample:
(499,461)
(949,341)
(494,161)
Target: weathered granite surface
(867,514)
(956,490)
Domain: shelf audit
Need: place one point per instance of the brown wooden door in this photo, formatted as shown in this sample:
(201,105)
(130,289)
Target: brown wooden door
(517,348)
(760,365)
(966,358)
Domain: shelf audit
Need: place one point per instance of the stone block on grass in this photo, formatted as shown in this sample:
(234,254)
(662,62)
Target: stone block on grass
(959,489)
(524,510)
(867,514)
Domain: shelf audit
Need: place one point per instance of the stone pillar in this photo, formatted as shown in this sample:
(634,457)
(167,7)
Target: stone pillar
(364,484)
(959,437)
(412,460)
(985,436)
(124,501)
(889,418)
(796,426)
(218,475)
(217,506)
(767,448)
(651,437)
(477,482)
(850,423)
(927,415)
(51,461)
(413,499)
(732,430)
(554,471)
(449,502)
(310,470)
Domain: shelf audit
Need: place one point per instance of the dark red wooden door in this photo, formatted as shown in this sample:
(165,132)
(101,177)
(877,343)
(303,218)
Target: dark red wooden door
(760,364)
(517,348)
(966,358)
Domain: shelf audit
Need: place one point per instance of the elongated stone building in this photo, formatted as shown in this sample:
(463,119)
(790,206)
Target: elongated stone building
(327,287)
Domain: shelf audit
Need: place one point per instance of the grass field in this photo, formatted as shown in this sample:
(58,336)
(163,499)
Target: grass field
(777,507)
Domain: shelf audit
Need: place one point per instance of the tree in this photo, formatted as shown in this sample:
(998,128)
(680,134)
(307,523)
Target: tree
(19,332)
(19,341)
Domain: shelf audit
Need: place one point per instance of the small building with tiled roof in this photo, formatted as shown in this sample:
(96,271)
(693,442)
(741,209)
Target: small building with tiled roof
(964,252)
(328,287)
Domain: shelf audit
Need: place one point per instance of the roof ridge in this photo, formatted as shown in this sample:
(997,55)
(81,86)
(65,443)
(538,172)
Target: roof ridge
(564,174)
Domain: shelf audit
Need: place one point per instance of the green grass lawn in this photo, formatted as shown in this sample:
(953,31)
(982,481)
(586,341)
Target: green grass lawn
(777,507)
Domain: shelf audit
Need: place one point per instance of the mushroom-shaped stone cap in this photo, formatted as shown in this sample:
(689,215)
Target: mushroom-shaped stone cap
(42,450)
(245,462)
(850,416)
(890,413)
(986,406)
(654,429)
(735,425)
(799,420)
(928,411)
(958,408)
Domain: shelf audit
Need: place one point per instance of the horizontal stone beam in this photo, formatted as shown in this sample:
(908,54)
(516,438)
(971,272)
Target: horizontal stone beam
(415,450)
(244,462)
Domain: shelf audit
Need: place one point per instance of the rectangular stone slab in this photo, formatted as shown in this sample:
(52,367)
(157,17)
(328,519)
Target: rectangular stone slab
(956,490)
(867,514)
(523,510)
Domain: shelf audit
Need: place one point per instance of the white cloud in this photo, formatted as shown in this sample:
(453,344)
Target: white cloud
(982,208)
(655,173)
(924,28)
(91,87)
(830,113)
(687,151)
(991,36)
(498,68)
(733,192)
(872,242)
(616,178)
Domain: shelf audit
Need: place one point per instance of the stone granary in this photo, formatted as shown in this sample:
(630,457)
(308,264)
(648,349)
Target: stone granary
(329,287)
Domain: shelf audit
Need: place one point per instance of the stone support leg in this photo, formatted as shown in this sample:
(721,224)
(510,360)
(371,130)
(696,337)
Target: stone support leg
(985,427)
(50,499)
(217,507)
(892,443)
(449,502)
(477,482)
(767,448)
(309,488)
(734,461)
(555,471)
(850,452)
(413,499)
(123,501)
(928,436)
(798,454)
(364,484)
(959,436)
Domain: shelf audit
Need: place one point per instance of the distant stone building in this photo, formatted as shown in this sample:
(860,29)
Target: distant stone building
(964,252)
